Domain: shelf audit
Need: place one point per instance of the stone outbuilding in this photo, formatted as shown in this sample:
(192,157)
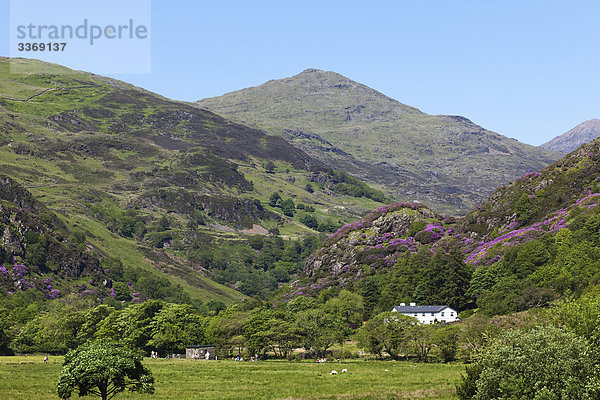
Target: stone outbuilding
(206,352)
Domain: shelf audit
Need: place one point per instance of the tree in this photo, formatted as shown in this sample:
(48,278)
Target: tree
(446,339)
(582,317)
(54,332)
(254,327)
(320,329)
(92,320)
(310,220)
(267,329)
(371,294)
(347,305)
(174,327)
(477,332)
(422,339)
(131,325)
(288,207)
(544,363)
(275,200)
(283,337)
(4,336)
(446,279)
(387,331)
(309,188)
(163,224)
(270,167)
(225,329)
(103,369)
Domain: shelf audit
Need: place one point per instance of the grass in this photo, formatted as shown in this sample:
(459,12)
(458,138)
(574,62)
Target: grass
(17,90)
(29,378)
(203,288)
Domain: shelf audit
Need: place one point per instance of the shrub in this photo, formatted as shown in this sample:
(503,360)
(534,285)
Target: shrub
(545,363)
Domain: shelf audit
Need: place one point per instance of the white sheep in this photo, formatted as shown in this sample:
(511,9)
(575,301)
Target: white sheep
(333,372)
(344,370)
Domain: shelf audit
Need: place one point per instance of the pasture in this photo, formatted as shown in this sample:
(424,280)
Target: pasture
(30,378)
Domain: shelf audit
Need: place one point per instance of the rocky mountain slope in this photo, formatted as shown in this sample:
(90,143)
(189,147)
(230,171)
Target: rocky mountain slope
(446,162)
(529,242)
(571,140)
(163,186)
(33,235)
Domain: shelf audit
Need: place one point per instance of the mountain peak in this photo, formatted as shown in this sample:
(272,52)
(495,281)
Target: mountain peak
(571,140)
(317,77)
(311,71)
(447,162)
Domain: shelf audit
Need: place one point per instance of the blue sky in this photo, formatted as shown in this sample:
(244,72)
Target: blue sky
(525,69)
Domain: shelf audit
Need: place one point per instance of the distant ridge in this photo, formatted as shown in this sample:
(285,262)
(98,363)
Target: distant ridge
(571,140)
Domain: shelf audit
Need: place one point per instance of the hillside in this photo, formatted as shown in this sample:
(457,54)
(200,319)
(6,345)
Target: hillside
(167,188)
(446,162)
(528,243)
(571,140)
(35,241)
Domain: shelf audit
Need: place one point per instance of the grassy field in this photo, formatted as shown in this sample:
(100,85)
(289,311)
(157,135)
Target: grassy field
(29,378)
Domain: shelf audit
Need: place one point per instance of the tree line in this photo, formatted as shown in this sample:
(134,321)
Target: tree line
(316,326)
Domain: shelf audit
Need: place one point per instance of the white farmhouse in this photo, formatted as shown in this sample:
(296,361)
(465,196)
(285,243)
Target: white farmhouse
(428,314)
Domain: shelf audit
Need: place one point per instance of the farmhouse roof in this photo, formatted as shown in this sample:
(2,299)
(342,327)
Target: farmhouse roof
(419,309)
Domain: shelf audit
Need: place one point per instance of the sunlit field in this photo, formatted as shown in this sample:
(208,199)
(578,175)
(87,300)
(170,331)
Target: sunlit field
(30,378)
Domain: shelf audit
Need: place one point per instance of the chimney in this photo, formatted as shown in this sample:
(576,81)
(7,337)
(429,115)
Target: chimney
(413,304)
(402,304)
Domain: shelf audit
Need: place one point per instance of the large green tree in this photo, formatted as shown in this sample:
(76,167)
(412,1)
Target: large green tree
(545,363)
(103,369)
(175,327)
(387,331)
(132,324)
(319,329)
(446,279)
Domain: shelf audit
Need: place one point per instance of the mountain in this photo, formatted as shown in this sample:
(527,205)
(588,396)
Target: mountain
(178,198)
(446,162)
(571,140)
(528,243)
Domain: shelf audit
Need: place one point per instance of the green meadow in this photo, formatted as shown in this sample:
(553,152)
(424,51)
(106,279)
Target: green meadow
(30,378)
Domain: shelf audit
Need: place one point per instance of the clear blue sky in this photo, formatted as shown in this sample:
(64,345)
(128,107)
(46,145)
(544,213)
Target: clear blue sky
(525,69)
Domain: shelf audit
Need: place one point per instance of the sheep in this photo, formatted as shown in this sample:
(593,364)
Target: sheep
(333,372)
(344,370)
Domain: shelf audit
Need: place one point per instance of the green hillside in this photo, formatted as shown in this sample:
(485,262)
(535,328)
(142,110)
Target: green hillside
(166,188)
(445,162)
(529,243)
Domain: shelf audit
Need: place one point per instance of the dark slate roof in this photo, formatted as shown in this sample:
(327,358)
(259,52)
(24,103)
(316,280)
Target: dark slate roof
(419,309)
